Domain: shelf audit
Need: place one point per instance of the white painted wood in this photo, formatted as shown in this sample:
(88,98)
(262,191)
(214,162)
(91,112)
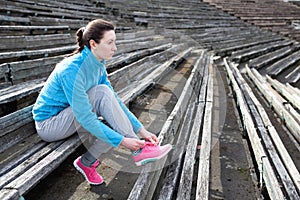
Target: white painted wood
(294,99)
(293,89)
(202,190)
(289,163)
(254,105)
(276,101)
(267,173)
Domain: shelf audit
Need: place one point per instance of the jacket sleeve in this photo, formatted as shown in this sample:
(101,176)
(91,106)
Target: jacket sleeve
(82,109)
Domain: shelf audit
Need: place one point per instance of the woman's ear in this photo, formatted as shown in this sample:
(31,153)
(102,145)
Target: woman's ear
(92,44)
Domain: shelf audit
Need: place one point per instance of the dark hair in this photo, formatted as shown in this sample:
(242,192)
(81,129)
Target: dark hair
(93,31)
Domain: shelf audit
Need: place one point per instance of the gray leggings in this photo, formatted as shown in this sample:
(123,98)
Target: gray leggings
(104,104)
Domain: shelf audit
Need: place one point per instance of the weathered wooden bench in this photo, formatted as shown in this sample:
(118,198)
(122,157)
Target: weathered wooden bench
(133,74)
(21,71)
(280,175)
(252,52)
(275,16)
(38,10)
(226,37)
(15,43)
(130,57)
(278,67)
(294,76)
(29,12)
(31,60)
(32,30)
(188,125)
(269,58)
(31,159)
(46,7)
(12,20)
(241,44)
(19,96)
(32,54)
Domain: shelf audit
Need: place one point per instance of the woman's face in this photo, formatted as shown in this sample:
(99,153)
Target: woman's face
(106,48)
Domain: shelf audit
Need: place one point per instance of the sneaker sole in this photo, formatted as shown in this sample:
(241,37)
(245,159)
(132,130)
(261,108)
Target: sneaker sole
(148,160)
(82,172)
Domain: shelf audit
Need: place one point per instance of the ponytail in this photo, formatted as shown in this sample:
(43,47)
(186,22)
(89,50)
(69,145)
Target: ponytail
(79,40)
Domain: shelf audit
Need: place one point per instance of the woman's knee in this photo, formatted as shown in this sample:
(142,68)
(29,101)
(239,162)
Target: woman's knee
(100,93)
(103,89)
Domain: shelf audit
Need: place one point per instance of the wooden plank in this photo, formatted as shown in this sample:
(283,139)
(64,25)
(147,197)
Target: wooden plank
(294,99)
(128,58)
(294,76)
(267,173)
(29,64)
(155,75)
(16,27)
(173,172)
(283,64)
(72,23)
(22,91)
(33,69)
(245,45)
(185,183)
(252,52)
(172,175)
(26,70)
(202,190)
(137,70)
(74,7)
(293,89)
(17,157)
(143,44)
(9,193)
(41,52)
(5,18)
(36,41)
(18,135)
(28,163)
(267,59)
(184,190)
(29,178)
(15,120)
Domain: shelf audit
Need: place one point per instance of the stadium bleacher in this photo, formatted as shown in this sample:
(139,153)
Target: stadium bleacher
(154,37)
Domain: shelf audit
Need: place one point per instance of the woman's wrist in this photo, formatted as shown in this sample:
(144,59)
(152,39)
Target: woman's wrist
(141,131)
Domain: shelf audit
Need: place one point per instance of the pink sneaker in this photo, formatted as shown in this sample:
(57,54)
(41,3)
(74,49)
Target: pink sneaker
(89,173)
(150,153)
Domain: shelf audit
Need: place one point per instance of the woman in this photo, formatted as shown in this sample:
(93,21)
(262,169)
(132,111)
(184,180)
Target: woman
(78,92)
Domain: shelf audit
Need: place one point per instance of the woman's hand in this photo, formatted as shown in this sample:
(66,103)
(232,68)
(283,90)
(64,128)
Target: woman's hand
(132,143)
(149,136)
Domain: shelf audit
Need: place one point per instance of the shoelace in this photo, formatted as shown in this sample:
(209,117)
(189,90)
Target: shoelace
(149,145)
(94,172)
